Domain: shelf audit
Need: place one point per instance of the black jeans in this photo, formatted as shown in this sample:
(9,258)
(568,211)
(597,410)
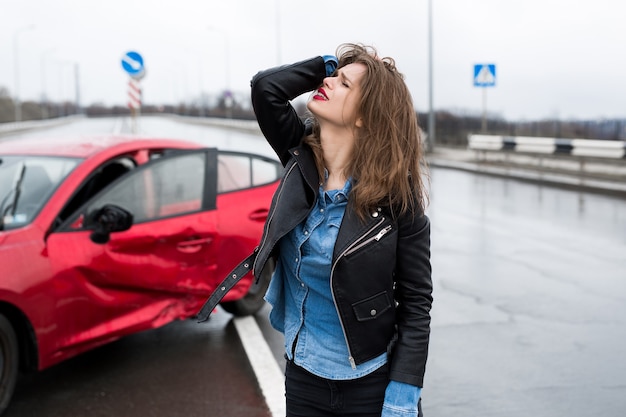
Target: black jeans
(311,396)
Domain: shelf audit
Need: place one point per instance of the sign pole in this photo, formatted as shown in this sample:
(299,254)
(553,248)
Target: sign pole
(134,102)
(484,76)
(484,121)
(132,62)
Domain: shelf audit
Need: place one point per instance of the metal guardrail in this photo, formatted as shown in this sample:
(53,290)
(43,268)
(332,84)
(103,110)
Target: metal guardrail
(587,163)
(549,146)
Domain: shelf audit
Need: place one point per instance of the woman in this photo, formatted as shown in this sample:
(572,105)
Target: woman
(352,286)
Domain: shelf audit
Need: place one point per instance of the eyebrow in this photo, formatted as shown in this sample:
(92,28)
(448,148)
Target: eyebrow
(343,75)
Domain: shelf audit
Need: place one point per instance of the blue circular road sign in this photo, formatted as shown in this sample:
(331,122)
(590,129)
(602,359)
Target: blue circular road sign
(132,63)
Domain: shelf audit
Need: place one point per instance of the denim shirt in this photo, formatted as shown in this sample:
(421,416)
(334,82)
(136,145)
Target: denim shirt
(302,302)
(306,311)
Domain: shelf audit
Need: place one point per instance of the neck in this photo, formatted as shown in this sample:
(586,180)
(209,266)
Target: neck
(337,148)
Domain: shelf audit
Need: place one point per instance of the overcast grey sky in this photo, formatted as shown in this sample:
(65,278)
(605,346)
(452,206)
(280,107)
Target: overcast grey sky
(554,58)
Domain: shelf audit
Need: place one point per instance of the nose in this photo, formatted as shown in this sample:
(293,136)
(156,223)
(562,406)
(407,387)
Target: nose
(329,82)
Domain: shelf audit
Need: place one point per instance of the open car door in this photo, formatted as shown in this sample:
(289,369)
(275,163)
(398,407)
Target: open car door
(168,248)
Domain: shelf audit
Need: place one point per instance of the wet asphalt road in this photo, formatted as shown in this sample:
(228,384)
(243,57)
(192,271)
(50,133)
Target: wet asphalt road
(529,317)
(184,369)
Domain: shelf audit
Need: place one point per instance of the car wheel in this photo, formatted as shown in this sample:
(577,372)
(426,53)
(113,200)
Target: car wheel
(253,300)
(9,357)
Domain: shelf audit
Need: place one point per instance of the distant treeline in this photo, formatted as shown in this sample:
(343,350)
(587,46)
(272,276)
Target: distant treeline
(451,128)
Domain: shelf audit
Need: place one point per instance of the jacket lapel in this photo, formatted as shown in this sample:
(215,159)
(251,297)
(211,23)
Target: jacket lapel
(306,162)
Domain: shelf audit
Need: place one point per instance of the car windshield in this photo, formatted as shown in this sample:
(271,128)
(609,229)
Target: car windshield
(26,183)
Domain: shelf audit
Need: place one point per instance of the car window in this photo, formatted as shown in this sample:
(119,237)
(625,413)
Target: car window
(98,180)
(26,184)
(166,187)
(237,171)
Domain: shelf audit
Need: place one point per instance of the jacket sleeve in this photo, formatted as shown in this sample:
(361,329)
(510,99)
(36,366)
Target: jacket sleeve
(414,297)
(272,90)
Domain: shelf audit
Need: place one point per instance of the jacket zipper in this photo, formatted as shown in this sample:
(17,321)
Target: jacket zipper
(332,271)
(269,220)
(376,238)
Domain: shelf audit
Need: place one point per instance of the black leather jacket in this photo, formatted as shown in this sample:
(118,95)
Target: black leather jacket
(381,274)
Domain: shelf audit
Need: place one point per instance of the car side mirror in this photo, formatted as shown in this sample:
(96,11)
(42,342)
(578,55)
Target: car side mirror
(106,220)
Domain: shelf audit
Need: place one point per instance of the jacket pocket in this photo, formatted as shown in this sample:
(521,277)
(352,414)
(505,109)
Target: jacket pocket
(372,307)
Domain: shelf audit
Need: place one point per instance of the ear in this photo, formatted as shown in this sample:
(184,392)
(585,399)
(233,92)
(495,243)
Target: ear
(359,122)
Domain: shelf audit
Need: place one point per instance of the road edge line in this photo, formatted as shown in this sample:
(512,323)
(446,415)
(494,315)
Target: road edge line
(267,371)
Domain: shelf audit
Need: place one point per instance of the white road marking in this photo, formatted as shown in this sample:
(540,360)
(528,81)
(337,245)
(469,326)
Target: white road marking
(268,373)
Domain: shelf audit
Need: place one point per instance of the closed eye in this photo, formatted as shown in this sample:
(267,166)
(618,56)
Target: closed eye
(344,80)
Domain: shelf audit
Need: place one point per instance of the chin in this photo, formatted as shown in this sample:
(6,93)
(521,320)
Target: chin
(310,105)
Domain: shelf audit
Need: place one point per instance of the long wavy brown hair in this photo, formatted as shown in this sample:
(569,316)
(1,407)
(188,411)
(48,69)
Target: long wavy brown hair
(387,165)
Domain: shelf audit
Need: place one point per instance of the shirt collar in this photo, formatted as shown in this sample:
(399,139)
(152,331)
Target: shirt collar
(345,191)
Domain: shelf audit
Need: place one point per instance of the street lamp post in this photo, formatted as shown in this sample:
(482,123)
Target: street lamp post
(228,96)
(44,96)
(278,43)
(431,111)
(16,69)
(201,106)
(62,84)
(77,89)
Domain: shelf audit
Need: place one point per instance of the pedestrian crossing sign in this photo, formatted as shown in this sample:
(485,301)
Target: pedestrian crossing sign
(484,75)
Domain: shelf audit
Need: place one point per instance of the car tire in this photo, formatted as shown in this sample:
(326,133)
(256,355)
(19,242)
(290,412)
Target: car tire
(9,362)
(253,301)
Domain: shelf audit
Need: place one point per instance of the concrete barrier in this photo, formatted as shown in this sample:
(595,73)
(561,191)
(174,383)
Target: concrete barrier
(244,125)
(15,127)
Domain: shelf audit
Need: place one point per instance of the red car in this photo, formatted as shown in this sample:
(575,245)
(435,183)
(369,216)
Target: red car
(109,236)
